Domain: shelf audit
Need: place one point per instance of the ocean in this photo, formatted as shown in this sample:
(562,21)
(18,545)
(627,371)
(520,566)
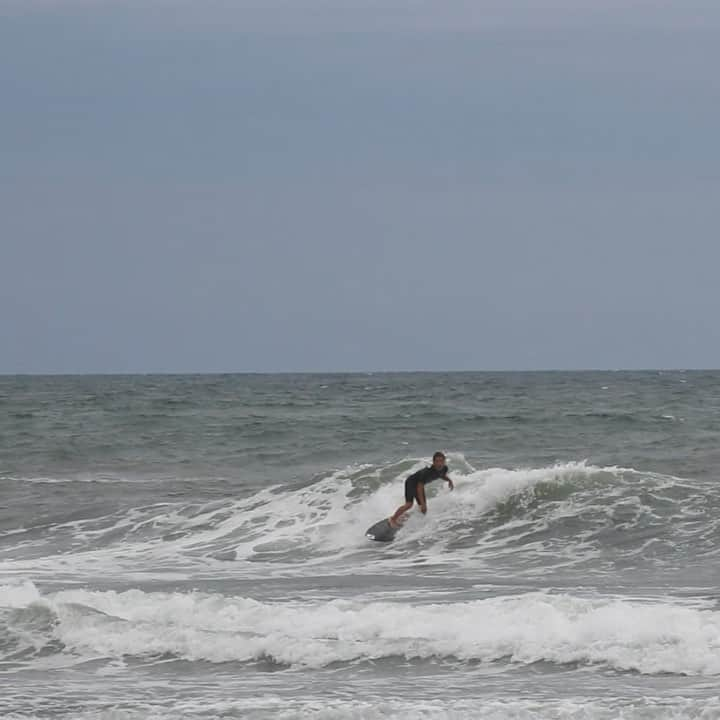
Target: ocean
(192,546)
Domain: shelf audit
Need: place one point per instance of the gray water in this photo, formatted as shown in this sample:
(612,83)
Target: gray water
(193,546)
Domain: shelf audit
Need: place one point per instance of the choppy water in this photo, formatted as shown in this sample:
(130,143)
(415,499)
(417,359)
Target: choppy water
(193,546)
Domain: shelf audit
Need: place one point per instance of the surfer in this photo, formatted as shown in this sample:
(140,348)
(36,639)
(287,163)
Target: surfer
(415,486)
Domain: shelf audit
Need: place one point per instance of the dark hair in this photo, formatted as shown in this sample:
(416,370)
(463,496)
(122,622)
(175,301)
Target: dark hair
(438,454)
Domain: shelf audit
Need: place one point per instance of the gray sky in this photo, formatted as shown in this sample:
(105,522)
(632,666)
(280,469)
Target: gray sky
(314,185)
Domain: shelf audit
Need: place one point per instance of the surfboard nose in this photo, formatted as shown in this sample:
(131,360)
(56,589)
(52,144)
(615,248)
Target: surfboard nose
(381,531)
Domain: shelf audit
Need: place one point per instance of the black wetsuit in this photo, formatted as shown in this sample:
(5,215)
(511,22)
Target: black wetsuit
(424,476)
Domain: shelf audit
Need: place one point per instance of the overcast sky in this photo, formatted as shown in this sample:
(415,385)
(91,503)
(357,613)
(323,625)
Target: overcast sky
(342,185)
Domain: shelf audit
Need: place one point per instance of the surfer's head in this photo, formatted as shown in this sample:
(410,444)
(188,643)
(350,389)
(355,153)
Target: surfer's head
(438,460)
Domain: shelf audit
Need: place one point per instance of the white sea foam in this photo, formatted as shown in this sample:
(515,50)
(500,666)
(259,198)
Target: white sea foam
(327,513)
(649,637)
(18,595)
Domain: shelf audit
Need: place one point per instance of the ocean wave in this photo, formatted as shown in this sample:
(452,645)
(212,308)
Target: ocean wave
(564,514)
(625,635)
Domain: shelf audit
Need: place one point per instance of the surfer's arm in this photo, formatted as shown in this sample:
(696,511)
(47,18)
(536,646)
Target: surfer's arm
(450,483)
(421,497)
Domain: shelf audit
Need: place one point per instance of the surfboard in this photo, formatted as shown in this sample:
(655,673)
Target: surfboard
(381,531)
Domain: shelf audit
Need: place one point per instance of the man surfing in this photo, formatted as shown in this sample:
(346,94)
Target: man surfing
(415,487)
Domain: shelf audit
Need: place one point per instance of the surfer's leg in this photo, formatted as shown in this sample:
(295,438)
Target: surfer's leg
(399,513)
(410,491)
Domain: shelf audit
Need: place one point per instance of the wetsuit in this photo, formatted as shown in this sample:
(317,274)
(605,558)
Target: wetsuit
(423,476)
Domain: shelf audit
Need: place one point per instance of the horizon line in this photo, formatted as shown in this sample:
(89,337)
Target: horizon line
(175,373)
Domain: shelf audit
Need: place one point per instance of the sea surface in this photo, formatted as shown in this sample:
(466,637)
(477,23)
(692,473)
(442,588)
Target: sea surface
(193,546)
